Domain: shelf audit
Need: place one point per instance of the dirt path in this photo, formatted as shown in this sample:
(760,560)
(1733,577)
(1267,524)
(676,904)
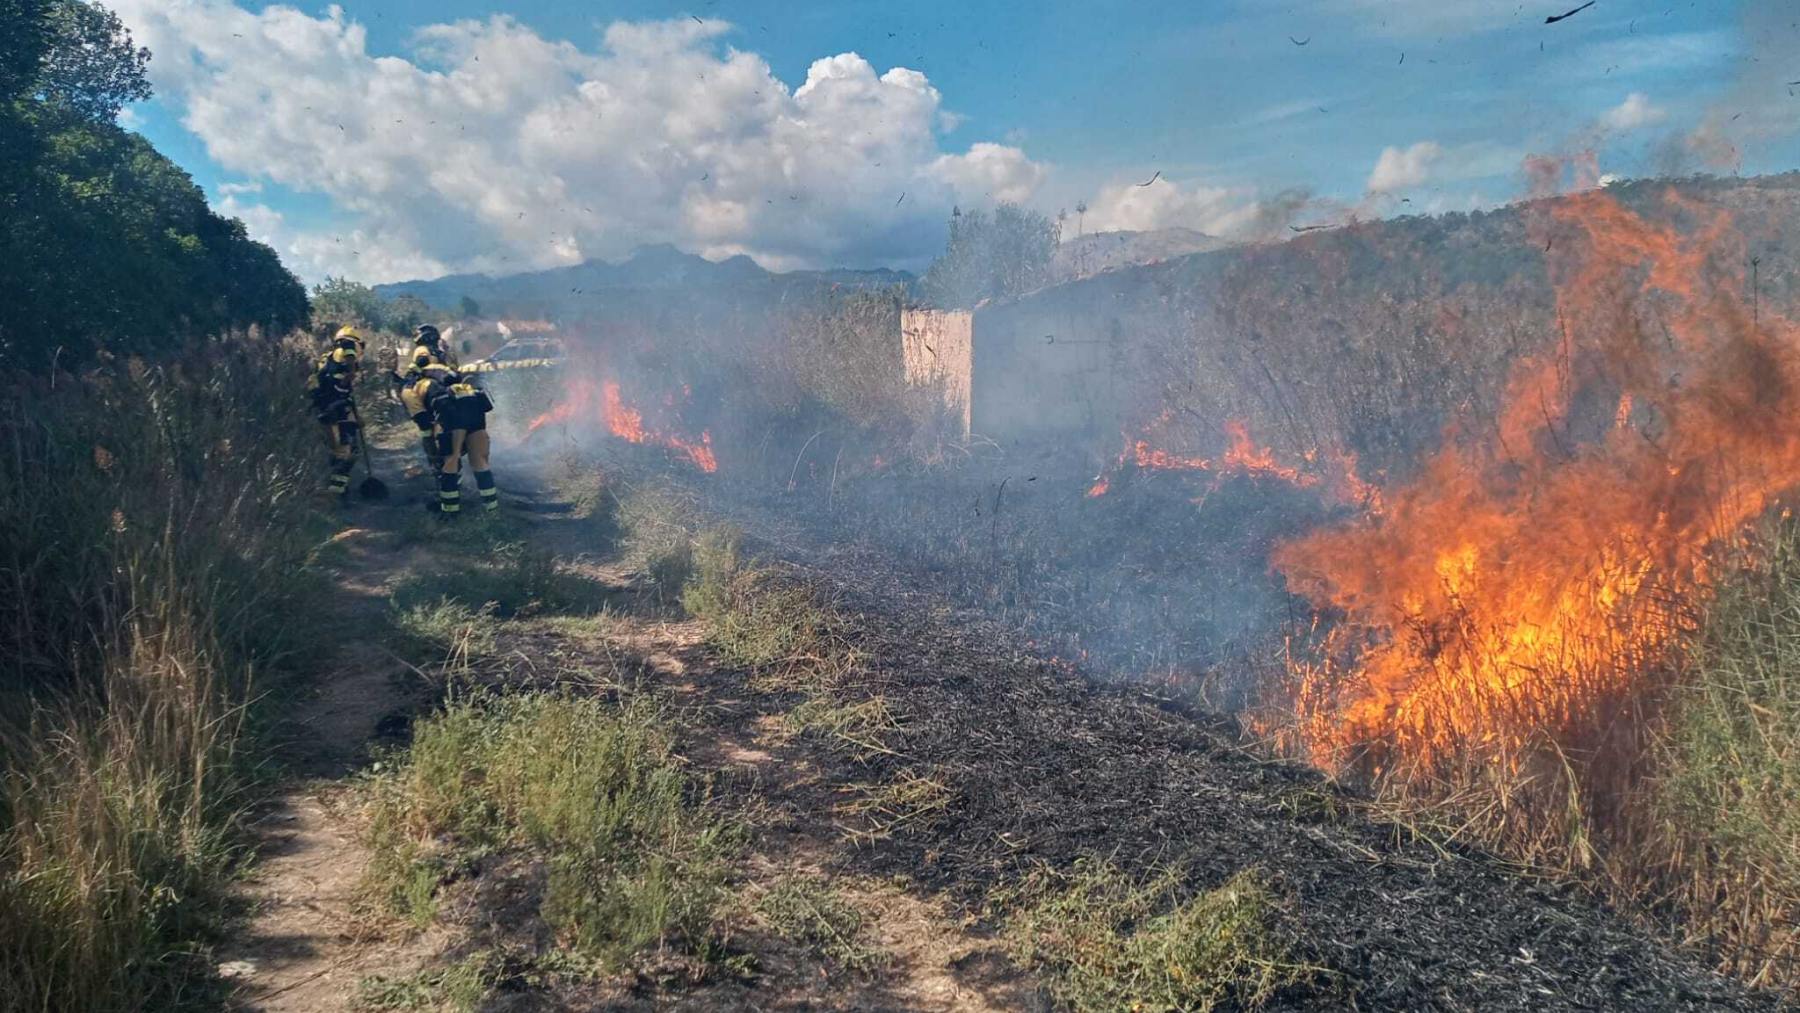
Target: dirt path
(305,944)
(310,939)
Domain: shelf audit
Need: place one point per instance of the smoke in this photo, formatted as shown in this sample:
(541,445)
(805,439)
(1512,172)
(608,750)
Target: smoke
(1759,108)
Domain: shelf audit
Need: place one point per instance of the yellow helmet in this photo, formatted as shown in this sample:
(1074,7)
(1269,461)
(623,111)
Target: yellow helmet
(349,339)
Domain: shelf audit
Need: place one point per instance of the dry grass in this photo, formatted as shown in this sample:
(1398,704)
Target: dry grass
(909,799)
(810,911)
(1721,817)
(152,525)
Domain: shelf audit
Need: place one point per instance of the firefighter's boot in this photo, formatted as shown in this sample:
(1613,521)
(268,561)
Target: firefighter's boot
(449,495)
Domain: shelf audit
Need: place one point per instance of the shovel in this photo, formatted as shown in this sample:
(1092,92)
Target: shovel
(371,488)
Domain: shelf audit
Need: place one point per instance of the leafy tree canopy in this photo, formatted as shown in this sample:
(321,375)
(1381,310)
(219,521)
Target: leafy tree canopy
(340,301)
(991,257)
(107,244)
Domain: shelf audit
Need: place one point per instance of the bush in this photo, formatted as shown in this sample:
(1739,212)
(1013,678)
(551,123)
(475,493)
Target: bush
(153,521)
(1110,943)
(634,857)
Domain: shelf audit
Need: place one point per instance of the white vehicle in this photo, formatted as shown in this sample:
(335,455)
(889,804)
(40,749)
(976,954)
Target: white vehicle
(520,352)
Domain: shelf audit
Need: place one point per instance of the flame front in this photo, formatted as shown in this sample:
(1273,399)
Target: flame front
(623,420)
(1521,582)
(1242,456)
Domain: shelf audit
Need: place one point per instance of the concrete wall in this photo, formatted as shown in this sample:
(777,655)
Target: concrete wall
(937,347)
(1373,339)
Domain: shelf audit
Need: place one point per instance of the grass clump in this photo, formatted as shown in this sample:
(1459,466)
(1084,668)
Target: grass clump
(634,857)
(1728,795)
(508,579)
(460,987)
(658,525)
(754,618)
(808,911)
(154,521)
(1108,942)
(908,799)
(446,631)
(861,726)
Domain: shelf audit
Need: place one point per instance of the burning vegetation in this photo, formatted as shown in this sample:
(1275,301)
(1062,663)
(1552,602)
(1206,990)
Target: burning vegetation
(1573,415)
(579,406)
(1531,572)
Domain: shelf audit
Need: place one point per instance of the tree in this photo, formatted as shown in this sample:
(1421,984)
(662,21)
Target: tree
(468,308)
(91,67)
(991,257)
(106,243)
(403,314)
(340,302)
(22,45)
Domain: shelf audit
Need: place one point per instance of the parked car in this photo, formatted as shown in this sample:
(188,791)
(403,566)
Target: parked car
(521,352)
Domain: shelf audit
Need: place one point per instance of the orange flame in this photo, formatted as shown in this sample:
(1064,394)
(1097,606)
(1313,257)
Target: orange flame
(1242,457)
(624,421)
(1517,584)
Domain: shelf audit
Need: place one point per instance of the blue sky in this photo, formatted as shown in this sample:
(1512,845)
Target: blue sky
(1389,106)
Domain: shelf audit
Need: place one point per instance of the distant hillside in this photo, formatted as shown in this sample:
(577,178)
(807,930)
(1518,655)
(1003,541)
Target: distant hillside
(651,271)
(1379,334)
(1095,252)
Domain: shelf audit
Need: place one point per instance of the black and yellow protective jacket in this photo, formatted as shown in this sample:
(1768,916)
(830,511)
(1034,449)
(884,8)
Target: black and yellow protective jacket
(333,381)
(437,393)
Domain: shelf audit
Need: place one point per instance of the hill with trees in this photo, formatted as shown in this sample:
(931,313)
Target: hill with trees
(108,244)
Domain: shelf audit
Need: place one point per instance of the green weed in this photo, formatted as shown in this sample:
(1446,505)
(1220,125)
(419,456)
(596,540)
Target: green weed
(1108,942)
(634,857)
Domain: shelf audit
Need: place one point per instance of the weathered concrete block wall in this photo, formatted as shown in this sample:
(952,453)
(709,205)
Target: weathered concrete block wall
(936,347)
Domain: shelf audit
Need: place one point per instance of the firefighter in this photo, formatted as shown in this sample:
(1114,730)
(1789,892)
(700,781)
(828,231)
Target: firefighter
(459,409)
(332,387)
(429,346)
(412,393)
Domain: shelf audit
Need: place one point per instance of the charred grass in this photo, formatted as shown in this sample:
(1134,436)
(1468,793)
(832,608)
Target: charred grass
(1668,799)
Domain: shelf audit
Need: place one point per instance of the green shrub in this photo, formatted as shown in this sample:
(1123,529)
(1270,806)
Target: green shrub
(1109,943)
(634,858)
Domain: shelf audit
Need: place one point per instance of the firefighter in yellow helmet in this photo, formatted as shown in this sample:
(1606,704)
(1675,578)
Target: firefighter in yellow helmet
(331,387)
(413,388)
(429,346)
(459,409)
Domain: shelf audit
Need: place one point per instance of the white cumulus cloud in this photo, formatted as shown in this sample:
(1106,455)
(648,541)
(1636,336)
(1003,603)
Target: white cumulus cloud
(491,148)
(1229,212)
(1633,113)
(1430,164)
(1404,168)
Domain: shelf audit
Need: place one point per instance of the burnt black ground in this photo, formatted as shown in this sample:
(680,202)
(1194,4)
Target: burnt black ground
(1046,767)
